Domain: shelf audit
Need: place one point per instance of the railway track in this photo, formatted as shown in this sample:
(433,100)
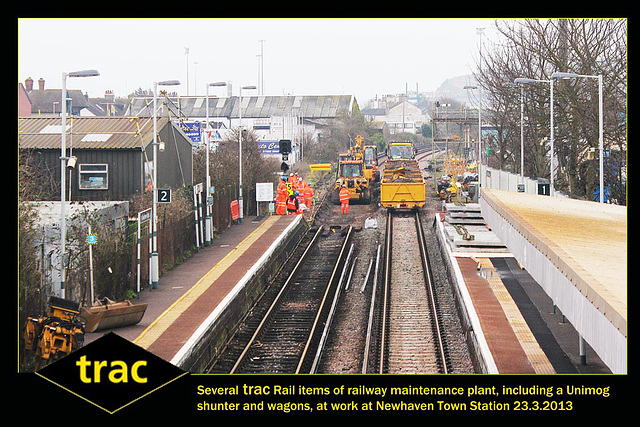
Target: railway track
(410,338)
(300,341)
(285,331)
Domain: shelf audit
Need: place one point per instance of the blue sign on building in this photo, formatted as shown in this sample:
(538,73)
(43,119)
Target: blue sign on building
(269,147)
(192,130)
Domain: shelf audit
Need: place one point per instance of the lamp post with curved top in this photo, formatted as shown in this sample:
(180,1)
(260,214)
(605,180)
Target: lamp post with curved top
(240,151)
(208,223)
(523,80)
(154,254)
(559,75)
(63,171)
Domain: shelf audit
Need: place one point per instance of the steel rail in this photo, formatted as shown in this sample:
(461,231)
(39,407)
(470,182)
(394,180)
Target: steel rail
(426,268)
(275,302)
(329,321)
(386,287)
(324,301)
(372,305)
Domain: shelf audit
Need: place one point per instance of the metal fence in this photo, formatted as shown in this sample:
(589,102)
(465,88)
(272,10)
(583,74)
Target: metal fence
(502,180)
(176,239)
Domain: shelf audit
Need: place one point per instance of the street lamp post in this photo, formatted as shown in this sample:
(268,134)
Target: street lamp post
(479,124)
(208,224)
(240,152)
(480,32)
(522,132)
(63,171)
(154,254)
(559,75)
(552,171)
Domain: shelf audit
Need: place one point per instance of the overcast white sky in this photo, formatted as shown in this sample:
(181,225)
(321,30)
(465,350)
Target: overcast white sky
(302,56)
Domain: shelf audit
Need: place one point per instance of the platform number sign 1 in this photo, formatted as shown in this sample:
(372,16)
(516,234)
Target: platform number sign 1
(164,195)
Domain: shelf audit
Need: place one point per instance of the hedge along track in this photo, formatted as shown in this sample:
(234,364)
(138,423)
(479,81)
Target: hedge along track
(411,339)
(289,333)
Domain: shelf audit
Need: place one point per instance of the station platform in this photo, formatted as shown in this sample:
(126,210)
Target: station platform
(181,318)
(516,320)
(514,325)
(577,251)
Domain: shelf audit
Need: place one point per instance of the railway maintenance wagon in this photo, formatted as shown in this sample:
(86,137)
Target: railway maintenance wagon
(402,186)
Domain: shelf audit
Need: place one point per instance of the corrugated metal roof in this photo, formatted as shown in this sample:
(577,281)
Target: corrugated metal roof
(87,132)
(325,106)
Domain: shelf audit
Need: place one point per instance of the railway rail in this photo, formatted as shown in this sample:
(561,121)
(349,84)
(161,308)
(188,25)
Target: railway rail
(268,341)
(285,331)
(410,339)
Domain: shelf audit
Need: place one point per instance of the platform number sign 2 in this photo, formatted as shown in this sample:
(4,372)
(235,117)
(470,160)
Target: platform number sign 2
(164,195)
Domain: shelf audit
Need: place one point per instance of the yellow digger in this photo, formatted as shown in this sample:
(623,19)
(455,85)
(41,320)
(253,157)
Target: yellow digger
(55,335)
(354,174)
(63,328)
(351,175)
(368,154)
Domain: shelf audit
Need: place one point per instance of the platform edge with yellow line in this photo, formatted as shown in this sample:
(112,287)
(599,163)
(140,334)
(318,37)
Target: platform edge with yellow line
(188,357)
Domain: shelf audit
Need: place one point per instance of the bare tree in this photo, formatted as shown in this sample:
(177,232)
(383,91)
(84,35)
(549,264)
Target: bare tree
(224,166)
(536,48)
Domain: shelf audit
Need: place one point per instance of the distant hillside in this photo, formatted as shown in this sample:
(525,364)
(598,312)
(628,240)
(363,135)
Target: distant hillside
(454,88)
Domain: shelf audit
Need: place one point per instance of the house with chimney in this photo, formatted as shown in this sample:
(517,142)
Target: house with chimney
(46,102)
(24,102)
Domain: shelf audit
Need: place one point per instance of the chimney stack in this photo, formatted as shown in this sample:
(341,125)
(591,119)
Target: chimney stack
(41,83)
(28,84)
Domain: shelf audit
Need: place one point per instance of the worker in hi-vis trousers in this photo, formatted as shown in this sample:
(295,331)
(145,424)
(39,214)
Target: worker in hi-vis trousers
(308,196)
(281,203)
(344,200)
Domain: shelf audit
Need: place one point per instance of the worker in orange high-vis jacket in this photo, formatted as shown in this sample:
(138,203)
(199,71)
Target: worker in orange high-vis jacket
(293,180)
(282,186)
(344,200)
(281,203)
(308,196)
(292,204)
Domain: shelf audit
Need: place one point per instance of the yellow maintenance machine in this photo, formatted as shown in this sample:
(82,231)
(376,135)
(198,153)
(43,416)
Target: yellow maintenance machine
(402,186)
(369,155)
(55,335)
(371,163)
(352,173)
(62,329)
(457,178)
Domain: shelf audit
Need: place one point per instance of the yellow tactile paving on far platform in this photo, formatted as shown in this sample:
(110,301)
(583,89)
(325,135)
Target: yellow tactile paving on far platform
(527,340)
(166,319)
(586,241)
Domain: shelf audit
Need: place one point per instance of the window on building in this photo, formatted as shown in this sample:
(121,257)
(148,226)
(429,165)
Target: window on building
(93,177)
